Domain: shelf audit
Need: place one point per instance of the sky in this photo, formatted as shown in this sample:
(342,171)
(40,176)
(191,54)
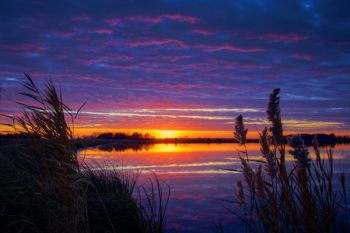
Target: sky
(182,68)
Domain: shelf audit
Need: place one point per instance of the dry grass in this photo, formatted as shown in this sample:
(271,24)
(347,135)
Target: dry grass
(44,189)
(304,196)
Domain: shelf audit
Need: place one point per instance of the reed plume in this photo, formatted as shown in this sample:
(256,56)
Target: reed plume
(240,133)
(302,198)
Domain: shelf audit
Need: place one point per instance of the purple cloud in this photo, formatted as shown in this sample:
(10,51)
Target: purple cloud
(164,17)
(166,54)
(290,37)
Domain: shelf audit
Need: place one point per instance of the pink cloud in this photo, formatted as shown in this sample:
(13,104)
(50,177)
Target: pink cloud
(182,18)
(161,18)
(290,37)
(215,48)
(106,59)
(180,86)
(112,21)
(177,43)
(125,67)
(104,31)
(215,66)
(24,47)
(203,32)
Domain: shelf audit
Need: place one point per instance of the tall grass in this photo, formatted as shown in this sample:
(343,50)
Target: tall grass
(45,189)
(154,205)
(302,196)
(46,167)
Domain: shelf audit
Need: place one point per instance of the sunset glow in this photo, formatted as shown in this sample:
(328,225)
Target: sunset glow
(178,72)
(167,134)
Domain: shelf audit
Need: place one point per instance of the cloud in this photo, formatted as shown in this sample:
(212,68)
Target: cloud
(216,48)
(104,31)
(164,17)
(112,21)
(203,32)
(23,47)
(201,61)
(171,42)
(286,38)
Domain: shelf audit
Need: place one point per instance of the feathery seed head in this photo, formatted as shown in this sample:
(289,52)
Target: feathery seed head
(240,133)
(300,152)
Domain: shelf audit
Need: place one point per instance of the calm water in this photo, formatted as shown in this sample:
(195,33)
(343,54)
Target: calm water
(197,177)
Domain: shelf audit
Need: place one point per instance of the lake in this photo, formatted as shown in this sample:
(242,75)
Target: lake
(196,175)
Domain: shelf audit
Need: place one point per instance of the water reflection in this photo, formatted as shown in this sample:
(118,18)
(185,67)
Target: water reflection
(170,147)
(196,174)
(121,147)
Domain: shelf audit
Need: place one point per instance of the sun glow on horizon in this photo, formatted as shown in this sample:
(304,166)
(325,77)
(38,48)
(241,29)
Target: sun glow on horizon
(81,131)
(167,134)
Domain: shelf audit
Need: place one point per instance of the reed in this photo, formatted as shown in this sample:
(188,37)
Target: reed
(154,205)
(44,188)
(45,166)
(302,196)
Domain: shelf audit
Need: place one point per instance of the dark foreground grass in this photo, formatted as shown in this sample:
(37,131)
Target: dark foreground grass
(45,189)
(303,196)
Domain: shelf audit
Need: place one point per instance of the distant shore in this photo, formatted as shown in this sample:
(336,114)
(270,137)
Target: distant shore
(80,143)
(323,139)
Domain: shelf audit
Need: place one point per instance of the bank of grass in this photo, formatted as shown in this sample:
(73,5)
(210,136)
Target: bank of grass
(45,189)
(302,196)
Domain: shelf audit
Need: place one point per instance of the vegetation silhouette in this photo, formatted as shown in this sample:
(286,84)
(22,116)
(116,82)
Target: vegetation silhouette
(125,136)
(44,188)
(277,197)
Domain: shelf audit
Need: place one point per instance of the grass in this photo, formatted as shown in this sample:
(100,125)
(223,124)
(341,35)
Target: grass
(302,196)
(45,189)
